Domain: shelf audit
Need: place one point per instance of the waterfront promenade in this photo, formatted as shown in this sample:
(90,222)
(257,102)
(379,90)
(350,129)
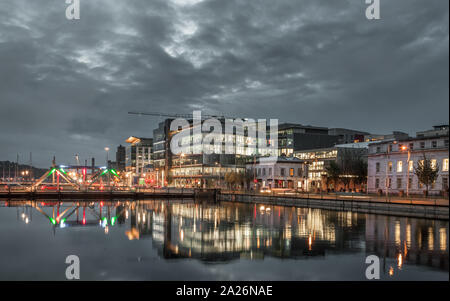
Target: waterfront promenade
(411,200)
(432,207)
(436,208)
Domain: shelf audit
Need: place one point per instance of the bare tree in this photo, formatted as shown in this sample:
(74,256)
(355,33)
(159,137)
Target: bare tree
(333,173)
(426,173)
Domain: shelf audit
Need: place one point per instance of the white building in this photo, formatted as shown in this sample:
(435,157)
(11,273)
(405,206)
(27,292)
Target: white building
(138,156)
(286,172)
(389,168)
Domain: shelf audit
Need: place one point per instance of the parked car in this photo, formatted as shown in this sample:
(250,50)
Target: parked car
(265,190)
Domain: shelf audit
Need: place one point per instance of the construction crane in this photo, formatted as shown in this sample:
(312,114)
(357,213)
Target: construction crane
(186,116)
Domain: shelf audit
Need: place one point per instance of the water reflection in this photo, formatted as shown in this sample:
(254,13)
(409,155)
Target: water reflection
(408,240)
(227,232)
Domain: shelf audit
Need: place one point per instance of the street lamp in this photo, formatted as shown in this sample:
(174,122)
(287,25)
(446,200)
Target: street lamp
(403,148)
(181,156)
(107,151)
(107,165)
(218,173)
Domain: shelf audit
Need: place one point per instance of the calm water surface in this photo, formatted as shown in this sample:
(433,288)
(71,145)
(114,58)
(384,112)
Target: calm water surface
(183,240)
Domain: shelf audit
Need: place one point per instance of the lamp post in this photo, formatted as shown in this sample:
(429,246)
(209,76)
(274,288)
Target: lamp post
(107,165)
(181,157)
(404,147)
(387,182)
(218,174)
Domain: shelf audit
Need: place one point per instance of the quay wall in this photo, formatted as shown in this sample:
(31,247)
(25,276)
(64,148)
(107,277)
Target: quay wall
(365,206)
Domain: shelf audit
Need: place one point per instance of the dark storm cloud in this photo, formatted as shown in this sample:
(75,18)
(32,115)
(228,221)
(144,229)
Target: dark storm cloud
(66,86)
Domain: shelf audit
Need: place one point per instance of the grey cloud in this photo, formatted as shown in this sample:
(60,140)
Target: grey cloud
(309,61)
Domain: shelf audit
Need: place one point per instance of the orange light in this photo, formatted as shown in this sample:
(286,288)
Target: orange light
(404,147)
(399,261)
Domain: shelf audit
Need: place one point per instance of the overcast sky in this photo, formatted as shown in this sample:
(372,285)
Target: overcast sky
(66,86)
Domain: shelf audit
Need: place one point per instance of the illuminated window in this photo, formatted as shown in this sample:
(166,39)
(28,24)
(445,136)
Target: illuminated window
(399,166)
(390,166)
(445,165)
(291,172)
(433,163)
(411,165)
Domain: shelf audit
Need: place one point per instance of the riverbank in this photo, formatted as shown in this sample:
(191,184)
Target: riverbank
(401,207)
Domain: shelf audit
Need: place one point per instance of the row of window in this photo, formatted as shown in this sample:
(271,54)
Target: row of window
(412,145)
(262,172)
(399,169)
(401,185)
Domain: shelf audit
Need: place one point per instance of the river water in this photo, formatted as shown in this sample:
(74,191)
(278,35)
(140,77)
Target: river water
(184,240)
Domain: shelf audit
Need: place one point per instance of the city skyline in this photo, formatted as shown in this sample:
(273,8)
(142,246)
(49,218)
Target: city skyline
(67,86)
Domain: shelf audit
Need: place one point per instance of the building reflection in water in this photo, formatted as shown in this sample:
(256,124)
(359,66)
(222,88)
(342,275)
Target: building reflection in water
(408,240)
(227,231)
(232,230)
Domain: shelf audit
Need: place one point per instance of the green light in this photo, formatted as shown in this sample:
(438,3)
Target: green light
(52,220)
(113,172)
(113,220)
(103,172)
(63,171)
(53,170)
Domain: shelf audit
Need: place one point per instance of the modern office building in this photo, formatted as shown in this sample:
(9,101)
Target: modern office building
(319,159)
(391,164)
(396,135)
(202,165)
(295,137)
(120,158)
(206,165)
(347,135)
(138,155)
(162,156)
